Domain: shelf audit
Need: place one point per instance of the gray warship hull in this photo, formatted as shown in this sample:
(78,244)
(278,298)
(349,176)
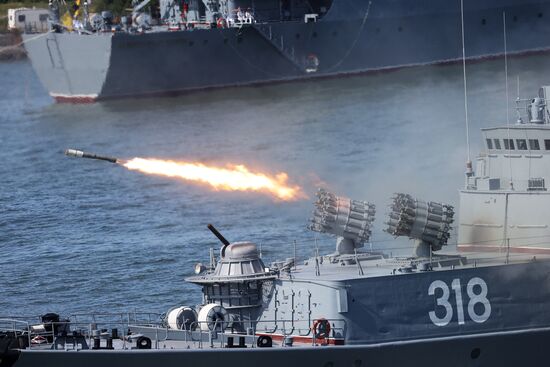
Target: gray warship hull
(353,37)
(389,325)
(503,349)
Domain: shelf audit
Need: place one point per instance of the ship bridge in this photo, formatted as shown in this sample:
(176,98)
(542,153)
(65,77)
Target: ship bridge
(505,205)
(516,158)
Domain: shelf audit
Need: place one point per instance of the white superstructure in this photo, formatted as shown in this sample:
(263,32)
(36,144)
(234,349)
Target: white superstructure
(28,20)
(506,204)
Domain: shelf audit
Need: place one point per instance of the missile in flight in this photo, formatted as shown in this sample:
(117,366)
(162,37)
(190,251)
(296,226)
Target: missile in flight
(80,154)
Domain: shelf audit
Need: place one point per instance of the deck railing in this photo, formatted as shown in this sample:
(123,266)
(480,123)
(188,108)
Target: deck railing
(198,335)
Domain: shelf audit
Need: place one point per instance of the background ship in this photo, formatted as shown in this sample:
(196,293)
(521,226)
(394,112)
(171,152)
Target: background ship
(208,44)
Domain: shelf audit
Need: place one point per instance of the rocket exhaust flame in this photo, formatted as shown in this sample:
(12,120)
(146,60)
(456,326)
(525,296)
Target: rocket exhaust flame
(229,178)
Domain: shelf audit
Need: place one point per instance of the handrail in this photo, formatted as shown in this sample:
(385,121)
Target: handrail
(195,334)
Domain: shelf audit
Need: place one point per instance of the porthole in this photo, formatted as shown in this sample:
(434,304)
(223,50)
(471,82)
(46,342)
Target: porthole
(476,352)
(297,36)
(483,21)
(377,30)
(540,15)
(191,43)
(314,35)
(515,18)
(400,29)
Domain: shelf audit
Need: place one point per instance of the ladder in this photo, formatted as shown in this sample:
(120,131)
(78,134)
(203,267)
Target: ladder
(278,42)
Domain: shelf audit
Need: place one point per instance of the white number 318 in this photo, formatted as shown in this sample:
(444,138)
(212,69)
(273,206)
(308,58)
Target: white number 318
(477,294)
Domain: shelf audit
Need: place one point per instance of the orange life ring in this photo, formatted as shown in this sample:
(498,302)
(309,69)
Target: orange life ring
(221,23)
(321,328)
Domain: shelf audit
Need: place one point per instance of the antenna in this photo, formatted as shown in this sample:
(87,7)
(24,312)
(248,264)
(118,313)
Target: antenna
(506,68)
(468,160)
(518,101)
(295,254)
(507,106)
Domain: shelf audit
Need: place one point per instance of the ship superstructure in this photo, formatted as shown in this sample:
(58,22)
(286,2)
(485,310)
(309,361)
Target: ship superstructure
(219,43)
(505,204)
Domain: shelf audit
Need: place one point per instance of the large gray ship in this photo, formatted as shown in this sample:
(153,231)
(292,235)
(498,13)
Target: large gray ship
(198,44)
(484,306)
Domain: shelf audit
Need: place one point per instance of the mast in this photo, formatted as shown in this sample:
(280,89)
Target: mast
(469,170)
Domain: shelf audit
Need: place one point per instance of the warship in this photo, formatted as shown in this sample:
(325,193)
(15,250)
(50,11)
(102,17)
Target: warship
(202,44)
(485,304)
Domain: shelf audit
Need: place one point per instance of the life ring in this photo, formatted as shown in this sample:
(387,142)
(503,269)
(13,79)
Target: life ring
(321,328)
(312,63)
(221,23)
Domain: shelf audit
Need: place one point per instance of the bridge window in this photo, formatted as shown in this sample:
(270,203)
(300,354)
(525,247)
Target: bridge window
(43,17)
(489,143)
(534,144)
(536,184)
(547,144)
(509,144)
(522,144)
(21,18)
(497,144)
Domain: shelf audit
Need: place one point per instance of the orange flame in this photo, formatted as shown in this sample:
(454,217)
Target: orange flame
(231,178)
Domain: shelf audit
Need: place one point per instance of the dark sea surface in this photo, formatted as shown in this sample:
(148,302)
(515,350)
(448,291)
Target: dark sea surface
(83,235)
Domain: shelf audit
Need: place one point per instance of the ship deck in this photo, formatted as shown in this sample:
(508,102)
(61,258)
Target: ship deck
(370,265)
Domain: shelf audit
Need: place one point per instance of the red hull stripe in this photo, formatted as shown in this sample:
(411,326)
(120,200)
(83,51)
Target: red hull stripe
(74,99)
(305,339)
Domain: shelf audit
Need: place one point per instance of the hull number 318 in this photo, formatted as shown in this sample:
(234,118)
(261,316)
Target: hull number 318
(477,307)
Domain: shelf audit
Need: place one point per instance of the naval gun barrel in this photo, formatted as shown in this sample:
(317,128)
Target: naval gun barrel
(80,154)
(218,234)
